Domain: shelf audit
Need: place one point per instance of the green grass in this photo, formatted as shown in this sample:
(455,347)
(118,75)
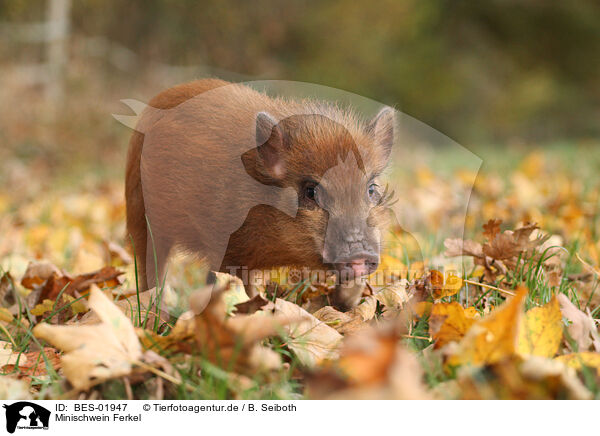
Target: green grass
(202,379)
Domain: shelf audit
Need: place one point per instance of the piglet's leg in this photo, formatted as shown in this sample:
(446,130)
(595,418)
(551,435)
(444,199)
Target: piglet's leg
(348,294)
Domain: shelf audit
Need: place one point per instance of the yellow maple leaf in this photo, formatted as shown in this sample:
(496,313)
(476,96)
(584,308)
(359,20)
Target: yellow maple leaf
(5,315)
(540,332)
(445,286)
(389,268)
(471,312)
(492,338)
(45,306)
(50,306)
(423,308)
(448,323)
(577,360)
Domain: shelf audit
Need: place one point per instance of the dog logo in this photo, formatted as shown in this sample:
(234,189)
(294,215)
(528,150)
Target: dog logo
(26,415)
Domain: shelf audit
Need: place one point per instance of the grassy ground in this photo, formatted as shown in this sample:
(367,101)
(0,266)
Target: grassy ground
(70,214)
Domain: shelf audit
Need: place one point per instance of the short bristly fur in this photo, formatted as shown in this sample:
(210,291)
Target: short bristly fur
(251,181)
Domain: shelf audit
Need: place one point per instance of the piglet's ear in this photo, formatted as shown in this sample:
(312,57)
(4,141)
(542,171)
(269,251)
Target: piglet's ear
(269,142)
(382,128)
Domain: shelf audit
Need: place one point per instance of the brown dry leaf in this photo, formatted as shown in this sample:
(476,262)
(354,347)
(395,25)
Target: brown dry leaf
(180,338)
(6,298)
(366,357)
(230,341)
(251,306)
(95,353)
(582,328)
(13,389)
(117,253)
(106,277)
(492,338)
(463,247)
(491,229)
(502,247)
(351,321)
(537,378)
(311,340)
(540,332)
(145,311)
(47,281)
(448,323)
(8,356)
(37,273)
(395,296)
(343,322)
(501,253)
(510,244)
(6,316)
(33,364)
(366,310)
(373,364)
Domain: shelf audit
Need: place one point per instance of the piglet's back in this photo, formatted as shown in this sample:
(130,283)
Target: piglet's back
(196,190)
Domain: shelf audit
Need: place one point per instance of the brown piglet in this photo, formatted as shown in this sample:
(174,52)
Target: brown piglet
(253,182)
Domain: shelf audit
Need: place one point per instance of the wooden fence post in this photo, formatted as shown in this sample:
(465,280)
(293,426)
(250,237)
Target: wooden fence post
(57,28)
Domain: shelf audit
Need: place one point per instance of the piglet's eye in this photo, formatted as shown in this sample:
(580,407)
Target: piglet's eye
(309,192)
(373,192)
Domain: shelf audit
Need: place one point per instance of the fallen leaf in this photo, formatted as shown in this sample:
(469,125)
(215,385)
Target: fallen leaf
(139,309)
(13,389)
(366,357)
(251,306)
(448,323)
(7,298)
(48,282)
(117,253)
(537,378)
(393,296)
(491,229)
(444,286)
(8,356)
(311,340)
(582,328)
(343,322)
(95,353)
(35,364)
(492,338)
(373,364)
(540,332)
(423,308)
(37,273)
(106,277)
(460,247)
(222,339)
(471,312)
(366,310)
(65,308)
(578,360)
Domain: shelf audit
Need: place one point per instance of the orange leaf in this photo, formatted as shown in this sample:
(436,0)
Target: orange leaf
(448,323)
(494,337)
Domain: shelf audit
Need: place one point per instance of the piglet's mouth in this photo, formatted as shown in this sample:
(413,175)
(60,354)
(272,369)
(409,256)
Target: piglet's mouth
(359,265)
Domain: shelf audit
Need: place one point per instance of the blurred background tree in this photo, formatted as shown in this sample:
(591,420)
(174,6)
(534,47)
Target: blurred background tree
(495,71)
